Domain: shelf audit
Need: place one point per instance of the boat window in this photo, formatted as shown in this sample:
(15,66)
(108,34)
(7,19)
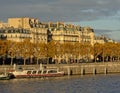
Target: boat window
(34,72)
(29,72)
(39,72)
(52,71)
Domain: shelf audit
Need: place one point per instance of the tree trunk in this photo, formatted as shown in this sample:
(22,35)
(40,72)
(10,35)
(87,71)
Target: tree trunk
(3,62)
(11,61)
(95,58)
(31,60)
(37,60)
(24,61)
(118,58)
(103,58)
(111,59)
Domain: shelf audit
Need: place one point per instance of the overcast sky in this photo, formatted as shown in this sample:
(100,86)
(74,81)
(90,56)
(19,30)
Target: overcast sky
(101,15)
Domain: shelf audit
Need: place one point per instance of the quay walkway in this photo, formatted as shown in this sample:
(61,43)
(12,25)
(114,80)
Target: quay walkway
(75,69)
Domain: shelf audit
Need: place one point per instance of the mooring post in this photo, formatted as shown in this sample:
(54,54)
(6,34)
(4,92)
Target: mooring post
(82,71)
(94,71)
(105,71)
(68,69)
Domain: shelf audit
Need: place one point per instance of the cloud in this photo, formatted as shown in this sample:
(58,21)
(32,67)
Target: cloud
(113,34)
(63,10)
(102,15)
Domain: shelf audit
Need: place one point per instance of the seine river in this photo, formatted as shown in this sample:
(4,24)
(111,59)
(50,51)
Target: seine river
(72,84)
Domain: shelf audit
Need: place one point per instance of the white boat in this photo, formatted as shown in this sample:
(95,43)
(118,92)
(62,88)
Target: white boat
(4,76)
(36,73)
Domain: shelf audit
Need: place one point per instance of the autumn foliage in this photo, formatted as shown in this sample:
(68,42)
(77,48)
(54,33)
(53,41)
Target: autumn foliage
(55,50)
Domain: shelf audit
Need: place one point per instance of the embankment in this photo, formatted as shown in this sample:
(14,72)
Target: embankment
(76,69)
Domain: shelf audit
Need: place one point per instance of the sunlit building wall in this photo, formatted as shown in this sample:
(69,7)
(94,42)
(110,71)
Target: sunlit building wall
(14,34)
(87,35)
(3,25)
(102,39)
(38,30)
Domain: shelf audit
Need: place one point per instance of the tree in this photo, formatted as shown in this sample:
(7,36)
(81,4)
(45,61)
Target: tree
(97,50)
(26,49)
(3,49)
(12,50)
(51,49)
(58,51)
(40,51)
(108,51)
(68,50)
(117,51)
(76,50)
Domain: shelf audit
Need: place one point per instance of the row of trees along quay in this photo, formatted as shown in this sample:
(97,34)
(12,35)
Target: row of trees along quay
(31,53)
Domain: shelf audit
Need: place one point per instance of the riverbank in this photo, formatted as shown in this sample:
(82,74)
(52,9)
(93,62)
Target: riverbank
(75,69)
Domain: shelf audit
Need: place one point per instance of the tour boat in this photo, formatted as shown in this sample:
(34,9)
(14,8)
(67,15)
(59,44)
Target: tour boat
(4,76)
(36,73)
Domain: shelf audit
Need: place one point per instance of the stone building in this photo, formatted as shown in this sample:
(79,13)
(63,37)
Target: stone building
(65,33)
(87,35)
(14,34)
(3,25)
(19,29)
(102,39)
(39,31)
(59,31)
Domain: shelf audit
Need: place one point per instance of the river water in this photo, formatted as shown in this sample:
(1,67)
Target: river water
(66,84)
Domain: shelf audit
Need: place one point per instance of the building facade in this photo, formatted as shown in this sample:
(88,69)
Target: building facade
(102,39)
(39,31)
(14,34)
(59,31)
(19,29)
(64,33)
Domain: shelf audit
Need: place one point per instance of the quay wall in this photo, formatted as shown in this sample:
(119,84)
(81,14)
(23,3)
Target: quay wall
(75,69)
(91,68)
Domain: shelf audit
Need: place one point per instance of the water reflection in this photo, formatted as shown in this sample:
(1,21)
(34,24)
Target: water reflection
(72,84)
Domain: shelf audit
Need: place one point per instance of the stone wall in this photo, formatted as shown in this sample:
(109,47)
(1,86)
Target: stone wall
(76,69)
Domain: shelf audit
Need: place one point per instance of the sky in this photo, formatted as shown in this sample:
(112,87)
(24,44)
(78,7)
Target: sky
(101,15)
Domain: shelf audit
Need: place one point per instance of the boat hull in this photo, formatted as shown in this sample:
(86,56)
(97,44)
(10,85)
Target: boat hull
(4,77)
(31,74)
(39,75)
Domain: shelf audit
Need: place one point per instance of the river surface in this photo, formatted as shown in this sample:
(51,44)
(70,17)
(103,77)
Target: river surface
(66,84)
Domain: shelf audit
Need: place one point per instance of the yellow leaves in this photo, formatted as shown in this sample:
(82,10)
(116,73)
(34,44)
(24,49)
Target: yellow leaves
(109,49)
(97,49)
(3,47)
(51,49)
(42,49)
